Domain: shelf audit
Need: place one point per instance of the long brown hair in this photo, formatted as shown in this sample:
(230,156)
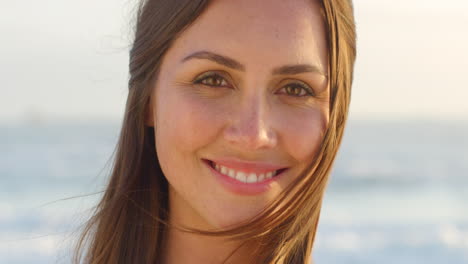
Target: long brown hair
(128,223)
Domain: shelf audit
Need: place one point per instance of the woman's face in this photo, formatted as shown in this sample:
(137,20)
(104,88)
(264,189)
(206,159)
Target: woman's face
(243,91)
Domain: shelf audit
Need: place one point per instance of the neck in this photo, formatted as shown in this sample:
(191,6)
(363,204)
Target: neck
(183,247)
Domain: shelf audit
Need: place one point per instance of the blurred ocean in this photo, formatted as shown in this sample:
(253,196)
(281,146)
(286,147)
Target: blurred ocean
(398,192)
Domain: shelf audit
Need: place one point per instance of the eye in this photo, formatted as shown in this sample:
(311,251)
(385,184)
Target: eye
(298,89)
(211,79)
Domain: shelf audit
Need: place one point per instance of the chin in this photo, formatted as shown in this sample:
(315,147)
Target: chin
(232,217)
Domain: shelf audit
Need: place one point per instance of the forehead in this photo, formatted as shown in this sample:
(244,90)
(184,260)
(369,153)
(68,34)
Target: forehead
(259,32)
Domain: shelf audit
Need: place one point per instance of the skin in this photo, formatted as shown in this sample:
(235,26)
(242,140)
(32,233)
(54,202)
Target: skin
(249,114)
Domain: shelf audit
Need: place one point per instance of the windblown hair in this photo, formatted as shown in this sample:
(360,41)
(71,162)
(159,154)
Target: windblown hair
(128,223)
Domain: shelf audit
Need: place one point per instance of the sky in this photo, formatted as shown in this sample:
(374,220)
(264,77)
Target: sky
(68,60)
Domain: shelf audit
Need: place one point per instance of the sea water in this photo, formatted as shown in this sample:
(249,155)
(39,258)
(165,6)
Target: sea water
(398,192)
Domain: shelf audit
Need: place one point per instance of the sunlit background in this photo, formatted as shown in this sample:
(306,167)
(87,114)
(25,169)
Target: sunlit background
(399,189)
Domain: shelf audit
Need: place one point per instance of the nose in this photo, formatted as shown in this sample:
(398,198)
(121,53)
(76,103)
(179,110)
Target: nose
(250,126)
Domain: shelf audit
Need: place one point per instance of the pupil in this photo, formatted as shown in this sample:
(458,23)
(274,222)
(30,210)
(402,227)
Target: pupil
(293,90)
(213,81)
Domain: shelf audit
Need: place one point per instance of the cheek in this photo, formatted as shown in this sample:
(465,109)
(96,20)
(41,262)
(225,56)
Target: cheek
(185,122)
(183,127)
(303,132)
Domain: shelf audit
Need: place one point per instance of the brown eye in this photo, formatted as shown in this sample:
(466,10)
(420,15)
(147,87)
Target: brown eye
(298,90)
(211,79)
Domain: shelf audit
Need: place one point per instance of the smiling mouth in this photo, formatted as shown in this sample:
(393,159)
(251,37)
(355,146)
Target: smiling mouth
(245,176)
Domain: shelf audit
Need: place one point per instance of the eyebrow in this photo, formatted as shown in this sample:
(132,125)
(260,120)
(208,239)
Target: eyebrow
(220,59)
(233,64)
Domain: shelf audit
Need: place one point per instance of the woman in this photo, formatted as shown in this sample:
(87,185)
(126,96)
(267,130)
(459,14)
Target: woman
(235,113)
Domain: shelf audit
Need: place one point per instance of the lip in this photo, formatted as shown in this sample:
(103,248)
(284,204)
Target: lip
(242,188)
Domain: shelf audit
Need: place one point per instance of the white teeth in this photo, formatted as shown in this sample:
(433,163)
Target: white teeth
(232,173)
(224,170)
(252,178)
(243,176)
(261,177)
(269,175)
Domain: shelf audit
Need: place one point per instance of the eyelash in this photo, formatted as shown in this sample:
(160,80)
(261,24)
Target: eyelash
(215,76)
